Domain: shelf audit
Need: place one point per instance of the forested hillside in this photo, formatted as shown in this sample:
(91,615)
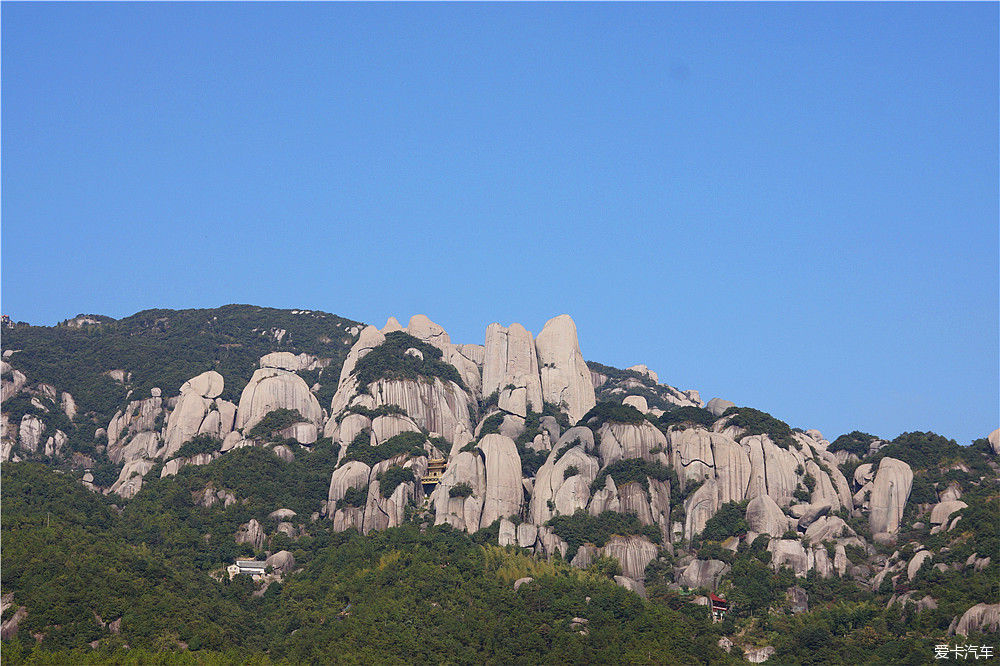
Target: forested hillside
(408,497)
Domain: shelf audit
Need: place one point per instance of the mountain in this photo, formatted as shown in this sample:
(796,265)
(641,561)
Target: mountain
(388,474)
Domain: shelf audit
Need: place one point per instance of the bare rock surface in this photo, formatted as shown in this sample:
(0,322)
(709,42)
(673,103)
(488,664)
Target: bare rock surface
(890,491)
(565,375)
(270,389)
(503,478)
(510,369)
(981,618)
(764,516)
(633,552)
(208,385)
(703,573)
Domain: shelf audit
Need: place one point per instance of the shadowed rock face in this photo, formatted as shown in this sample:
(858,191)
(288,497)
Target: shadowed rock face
(890,491)
(565,376)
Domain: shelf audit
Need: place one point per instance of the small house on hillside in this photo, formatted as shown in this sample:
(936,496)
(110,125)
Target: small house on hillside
(719,607)
(253,568)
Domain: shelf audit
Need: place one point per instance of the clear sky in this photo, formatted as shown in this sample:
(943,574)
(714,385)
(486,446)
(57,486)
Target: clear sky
(792,206)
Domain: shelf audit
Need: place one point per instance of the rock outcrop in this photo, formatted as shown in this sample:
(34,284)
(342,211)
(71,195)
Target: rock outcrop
(764,516)
(979,619)
(916,562)
(347,387)
(504,491)
(30,432)
(890,491)
(272,388)
(633,552)
(564,374)
(510,368)
(185,420)
(282,562)
(943,511)
(461,511)
(251,533)
(718,406)
(628,440)
(208,385)
(790,552)
(703,573)
(554,492)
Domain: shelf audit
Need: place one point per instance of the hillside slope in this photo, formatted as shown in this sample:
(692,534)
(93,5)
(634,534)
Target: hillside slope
(305,428)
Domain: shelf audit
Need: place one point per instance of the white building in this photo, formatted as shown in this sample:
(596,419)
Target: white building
(254,568)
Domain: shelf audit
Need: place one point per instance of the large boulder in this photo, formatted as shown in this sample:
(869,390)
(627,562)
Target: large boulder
(994,440)
(270,389)
(699,507)
(790,552)
(703,573)
(185,420)
(629,440)
(942,511)
(352,474)
(565,376)
(510,368)
(12,383)
(916,562)
(130,478)
(691,453)
(385,512)
(30,432)
(555,493)
(980,619)
(208,385)
(461,511)
(890,491)
(139,416)
(389,425)
(638,402)
(718,406)
(503,478)
(422,328)
(732,468)
(779,465)
(54,444)
(764,516)
(282,561)
(633,552)
(827,527)
(68,405)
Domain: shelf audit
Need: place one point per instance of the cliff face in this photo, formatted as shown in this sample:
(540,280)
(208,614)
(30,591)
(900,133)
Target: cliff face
(536,443)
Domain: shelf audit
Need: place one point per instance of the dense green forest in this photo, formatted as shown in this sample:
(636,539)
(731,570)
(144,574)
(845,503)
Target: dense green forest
(411,593)
(77,562)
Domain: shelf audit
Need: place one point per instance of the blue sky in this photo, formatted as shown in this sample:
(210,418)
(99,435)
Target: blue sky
(792,206)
